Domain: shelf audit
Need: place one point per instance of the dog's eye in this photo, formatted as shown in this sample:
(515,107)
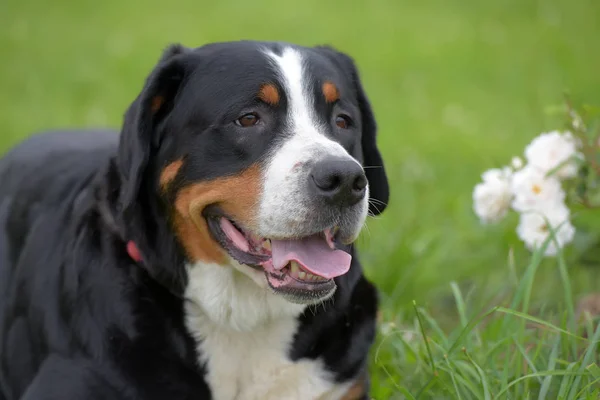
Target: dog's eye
(343,121)
(247,120)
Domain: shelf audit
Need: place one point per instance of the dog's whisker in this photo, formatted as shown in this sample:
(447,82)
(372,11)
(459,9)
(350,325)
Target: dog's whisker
(366,226)
(375,207)
(372,166)
(377,201)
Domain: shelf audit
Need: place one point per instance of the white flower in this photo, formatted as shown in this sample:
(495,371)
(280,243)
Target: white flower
(534,229)
(516,163)
(491,198)
(551,149)
(533,190)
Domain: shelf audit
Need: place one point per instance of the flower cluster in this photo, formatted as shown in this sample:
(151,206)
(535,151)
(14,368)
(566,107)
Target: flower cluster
(534,190)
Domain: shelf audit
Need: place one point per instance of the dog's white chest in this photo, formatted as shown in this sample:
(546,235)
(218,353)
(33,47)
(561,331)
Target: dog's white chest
(253,365)
(244,333)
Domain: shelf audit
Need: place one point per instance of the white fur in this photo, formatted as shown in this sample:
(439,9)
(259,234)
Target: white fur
(244,333)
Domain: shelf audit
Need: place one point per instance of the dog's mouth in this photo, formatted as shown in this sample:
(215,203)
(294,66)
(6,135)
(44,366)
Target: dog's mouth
(303,268)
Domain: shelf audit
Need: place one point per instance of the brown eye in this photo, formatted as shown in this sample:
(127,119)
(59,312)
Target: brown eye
(343,121)
(247,120)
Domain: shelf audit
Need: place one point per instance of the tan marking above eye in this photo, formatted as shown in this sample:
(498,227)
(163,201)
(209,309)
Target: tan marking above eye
(331,92)
(236,195)
(269,94)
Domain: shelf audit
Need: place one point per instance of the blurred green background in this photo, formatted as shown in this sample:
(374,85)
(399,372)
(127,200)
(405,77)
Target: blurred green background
(458,86)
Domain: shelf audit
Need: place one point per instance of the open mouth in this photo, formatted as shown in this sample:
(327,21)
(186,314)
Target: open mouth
(302,267)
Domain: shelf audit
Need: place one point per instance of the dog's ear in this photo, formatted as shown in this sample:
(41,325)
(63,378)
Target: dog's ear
(372,160)
(139,135)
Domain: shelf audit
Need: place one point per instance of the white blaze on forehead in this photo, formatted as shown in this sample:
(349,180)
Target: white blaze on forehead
(300,103)
(302,121)
(285,202)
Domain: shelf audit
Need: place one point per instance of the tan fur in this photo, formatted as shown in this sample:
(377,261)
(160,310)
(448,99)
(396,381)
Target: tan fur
(236,195)
(357,390)
(170,172)
(269,94)
(331,92)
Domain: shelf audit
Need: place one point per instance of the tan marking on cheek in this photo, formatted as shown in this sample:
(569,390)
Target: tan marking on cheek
(331,92)
(356,391)
(237,196)
(170,172)
(269,94)
(156,104)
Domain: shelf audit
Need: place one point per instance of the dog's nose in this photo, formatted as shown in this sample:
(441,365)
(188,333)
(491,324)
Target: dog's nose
(340,182)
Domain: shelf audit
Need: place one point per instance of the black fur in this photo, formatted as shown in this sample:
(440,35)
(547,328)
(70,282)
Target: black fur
(79,319)
(372,160)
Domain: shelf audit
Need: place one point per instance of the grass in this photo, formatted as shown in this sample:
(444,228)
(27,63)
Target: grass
(458,86)
(494,352)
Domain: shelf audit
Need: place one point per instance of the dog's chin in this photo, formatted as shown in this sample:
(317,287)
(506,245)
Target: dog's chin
(299,269)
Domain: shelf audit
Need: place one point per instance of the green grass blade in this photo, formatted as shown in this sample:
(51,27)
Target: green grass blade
(539,321)
(591,350)
(539,374)
(452,377)
(551,365)
(586,387)
(526,357)
(422,328)
(425,388)
(466,377)
(434,325)
(594,370)
(465,331)
(566,382)
(483,379)
(406,393)
(460,304)
(523,292)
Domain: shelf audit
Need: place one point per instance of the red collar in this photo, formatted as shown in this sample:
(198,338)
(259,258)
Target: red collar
(133,251)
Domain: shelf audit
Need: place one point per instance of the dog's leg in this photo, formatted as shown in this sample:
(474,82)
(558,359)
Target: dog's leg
(60,379)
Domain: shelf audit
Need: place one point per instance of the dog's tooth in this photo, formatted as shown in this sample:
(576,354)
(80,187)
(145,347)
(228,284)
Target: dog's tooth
(294,267)
(302,275)
(267,244)
(309,277)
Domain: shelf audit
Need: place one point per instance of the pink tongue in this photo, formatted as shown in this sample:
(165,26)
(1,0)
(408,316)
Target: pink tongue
(313,253)
(234,235)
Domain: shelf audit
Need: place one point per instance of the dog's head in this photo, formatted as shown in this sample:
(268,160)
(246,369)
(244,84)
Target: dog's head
(258,156)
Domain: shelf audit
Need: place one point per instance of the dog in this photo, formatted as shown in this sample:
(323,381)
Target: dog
(205,250)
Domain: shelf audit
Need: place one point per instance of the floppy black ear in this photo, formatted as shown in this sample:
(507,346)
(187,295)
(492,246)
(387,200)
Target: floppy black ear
(372,160)
(139,136)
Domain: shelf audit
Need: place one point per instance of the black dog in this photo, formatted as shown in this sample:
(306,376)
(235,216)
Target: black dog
(206,251)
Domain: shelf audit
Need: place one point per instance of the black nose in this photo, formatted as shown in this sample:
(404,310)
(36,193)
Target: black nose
(340,182)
